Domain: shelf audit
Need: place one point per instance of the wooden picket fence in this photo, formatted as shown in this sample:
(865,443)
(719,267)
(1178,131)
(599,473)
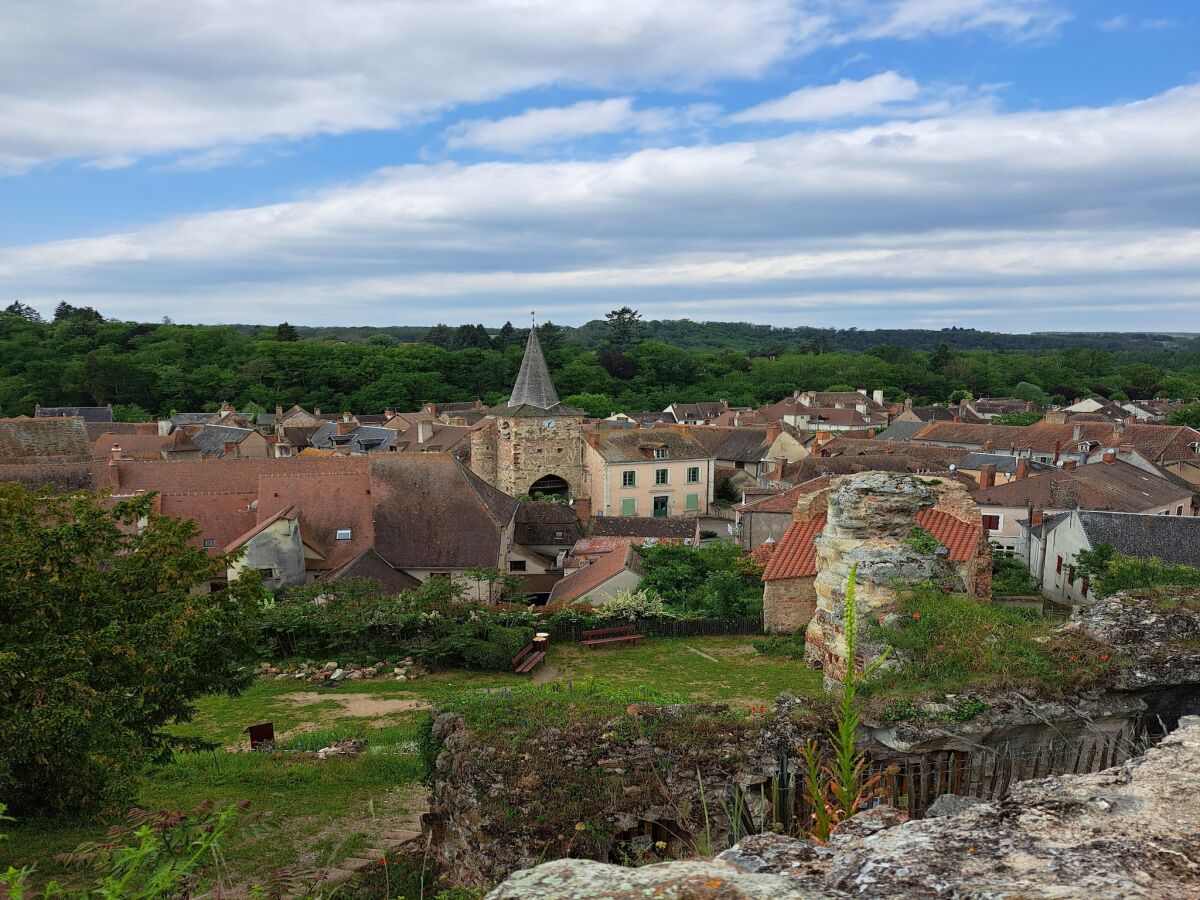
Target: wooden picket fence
(911,782)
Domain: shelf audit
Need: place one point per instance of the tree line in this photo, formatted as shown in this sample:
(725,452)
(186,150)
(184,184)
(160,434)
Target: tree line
(81,358)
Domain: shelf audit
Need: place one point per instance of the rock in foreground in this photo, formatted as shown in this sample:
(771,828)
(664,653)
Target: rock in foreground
(1129,832)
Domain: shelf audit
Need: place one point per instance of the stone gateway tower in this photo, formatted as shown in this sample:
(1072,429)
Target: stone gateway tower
(533,444)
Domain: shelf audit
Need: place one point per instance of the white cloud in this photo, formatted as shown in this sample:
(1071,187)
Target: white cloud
(870,96)
(118,81)
(553,125)
(1087,205)
(1116,23)
(915,18)
(115,82)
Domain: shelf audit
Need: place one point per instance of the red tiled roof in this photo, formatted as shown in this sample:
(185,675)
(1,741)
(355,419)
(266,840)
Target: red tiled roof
(220,517)
(591,577)
(796,555)
(785,502)
(286,512)
(196,476)
(607,543)
(959,537)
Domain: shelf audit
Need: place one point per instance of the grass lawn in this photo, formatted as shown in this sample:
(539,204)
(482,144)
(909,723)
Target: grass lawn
(322,811)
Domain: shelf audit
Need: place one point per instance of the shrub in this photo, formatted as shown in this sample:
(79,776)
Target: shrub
(718,580)
(1011,578)
(629,606)
(898,711)
(102,642)
(497,651)
(1111,572)
(922,541)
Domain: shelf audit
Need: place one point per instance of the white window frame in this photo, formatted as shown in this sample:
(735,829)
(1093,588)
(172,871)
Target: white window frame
(343,534)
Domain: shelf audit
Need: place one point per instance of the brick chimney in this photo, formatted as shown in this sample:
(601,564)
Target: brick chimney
(1022,469)
(114,454)
(345,426)
(774,430)
(1036,517)
(1057,450)
(988,446)
(987,475)
(229,448)
(1070,464)
(1110,456)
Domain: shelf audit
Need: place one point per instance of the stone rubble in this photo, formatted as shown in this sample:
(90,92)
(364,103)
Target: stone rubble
(407,669)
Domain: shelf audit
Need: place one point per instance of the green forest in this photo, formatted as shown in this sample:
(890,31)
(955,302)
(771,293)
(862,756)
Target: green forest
(620,363)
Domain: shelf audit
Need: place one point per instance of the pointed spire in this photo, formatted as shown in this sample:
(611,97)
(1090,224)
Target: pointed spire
(533,387)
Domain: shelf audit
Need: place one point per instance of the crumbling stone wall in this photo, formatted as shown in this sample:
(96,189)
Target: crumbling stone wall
(788,604)
(653,783)
(869,517)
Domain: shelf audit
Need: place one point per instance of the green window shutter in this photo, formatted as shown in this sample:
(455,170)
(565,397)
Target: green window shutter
(629,506)
(692,501)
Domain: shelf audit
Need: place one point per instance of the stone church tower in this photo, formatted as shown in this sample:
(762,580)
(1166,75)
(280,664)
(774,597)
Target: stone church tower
(533,443)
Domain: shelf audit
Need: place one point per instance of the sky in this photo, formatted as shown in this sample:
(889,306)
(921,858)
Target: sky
(1008,165)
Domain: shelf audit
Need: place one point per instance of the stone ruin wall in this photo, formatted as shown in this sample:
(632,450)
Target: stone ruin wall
(868,518)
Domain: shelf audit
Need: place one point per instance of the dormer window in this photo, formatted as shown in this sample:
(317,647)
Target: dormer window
(343,534)
(660,453)
(1194,446)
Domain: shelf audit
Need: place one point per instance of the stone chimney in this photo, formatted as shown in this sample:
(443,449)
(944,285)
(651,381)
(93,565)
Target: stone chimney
(226,407)
(1119,430)
(987,475)
(1077,433)
(908,402)
(1110,456)
(389,412)
(877,396)
(810,506)
(229,448)
(278,412)
(862,391)
(316,410)
(114,454)
(1022,469)
(424,431)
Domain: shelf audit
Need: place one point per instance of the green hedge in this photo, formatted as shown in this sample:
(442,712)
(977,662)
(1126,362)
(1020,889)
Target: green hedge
(497,651)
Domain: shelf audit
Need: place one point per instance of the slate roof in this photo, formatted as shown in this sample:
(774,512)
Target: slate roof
(593,576)
(638,445)
(433,512)
(192,418)
(44,440)
(1005,463)
(1116,486)
(362,439)
(300,435)
(211,438)
(643,526)
(698,411)
(87,413)
(1173,539)
(796,554)
(534,393)
(539,522)
(900,431)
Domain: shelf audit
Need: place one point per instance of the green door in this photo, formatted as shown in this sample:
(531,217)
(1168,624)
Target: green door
(660,507)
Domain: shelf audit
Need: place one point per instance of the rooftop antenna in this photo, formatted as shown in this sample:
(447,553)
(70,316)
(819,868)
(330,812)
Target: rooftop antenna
(533,319)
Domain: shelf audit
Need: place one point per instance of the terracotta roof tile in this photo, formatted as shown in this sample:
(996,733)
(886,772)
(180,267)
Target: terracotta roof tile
(590,577)
(785,502)
(796,555)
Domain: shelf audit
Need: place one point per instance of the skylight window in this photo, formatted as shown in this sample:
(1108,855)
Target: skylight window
(343,534)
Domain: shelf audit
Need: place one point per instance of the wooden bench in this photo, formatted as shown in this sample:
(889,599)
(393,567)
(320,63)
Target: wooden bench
(528,659)
(623,634)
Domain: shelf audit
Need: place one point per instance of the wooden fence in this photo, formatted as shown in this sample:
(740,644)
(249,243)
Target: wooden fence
(675,628)
(911,782)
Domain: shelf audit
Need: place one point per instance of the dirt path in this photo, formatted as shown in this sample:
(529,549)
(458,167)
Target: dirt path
(365,705)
